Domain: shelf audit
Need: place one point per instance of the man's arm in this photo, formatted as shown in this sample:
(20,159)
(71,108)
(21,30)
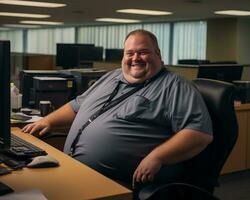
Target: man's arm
(182,146)
(63,116)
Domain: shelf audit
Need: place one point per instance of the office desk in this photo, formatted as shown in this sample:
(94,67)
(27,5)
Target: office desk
(239,159)
(71,180)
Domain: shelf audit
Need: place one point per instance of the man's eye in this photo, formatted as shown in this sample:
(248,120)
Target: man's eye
(129,54)
(144,53)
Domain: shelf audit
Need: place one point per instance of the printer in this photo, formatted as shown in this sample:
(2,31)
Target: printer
(54,89)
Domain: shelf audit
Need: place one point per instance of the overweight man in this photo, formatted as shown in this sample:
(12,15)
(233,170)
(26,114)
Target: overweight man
(147,135)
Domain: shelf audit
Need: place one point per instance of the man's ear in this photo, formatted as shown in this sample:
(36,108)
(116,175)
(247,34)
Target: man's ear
(158,52)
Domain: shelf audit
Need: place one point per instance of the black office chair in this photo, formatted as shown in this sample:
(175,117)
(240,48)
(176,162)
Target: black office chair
(202,172)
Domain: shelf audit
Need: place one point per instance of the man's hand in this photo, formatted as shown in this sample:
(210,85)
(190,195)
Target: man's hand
(40,127)
(182,146)
(147,169)
(62,116)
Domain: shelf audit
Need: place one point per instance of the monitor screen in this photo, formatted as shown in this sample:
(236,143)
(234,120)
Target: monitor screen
(72,55)
(88,53)
(5,94)
(223,72)
(113,55)
(67,56)
(192,62)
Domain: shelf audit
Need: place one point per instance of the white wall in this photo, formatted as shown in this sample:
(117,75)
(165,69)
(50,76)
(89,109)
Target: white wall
(243,41)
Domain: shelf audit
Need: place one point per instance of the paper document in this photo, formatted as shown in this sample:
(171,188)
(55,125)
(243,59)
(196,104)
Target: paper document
(33,194)
(22,118)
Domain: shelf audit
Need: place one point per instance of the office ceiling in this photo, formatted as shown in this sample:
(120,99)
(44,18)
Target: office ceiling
(78,12)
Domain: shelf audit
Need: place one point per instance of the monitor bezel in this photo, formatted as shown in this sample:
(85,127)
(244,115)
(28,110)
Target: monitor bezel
(5,94)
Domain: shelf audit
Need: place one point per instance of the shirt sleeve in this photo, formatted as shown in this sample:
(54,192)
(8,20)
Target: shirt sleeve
(187,108)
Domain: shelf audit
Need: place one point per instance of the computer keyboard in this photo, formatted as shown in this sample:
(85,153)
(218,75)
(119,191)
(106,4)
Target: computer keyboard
(23,149)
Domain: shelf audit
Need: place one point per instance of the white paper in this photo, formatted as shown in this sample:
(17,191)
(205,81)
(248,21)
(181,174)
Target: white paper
(34,118)
(49,78)
(33,194)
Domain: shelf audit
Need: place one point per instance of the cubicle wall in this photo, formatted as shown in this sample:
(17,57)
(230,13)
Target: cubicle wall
(225,72)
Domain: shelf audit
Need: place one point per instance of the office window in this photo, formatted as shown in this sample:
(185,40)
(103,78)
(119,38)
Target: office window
(111,36)
(131,27)
(115,36)
(162,32)
(43,41)
(189,40)
(92,35)
(16,39)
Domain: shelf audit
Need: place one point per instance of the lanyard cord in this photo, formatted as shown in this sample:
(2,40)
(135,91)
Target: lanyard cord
(109,104)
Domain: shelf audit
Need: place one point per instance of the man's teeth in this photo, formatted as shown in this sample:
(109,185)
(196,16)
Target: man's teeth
(137,64)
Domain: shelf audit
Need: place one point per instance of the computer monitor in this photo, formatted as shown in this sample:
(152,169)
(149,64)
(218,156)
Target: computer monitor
(224,72)
(192,62)
(88,53)
(70,56)
(5,95)
(113,55)
(67,56)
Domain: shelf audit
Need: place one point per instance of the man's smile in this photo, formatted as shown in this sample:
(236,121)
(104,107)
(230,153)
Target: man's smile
(141,64)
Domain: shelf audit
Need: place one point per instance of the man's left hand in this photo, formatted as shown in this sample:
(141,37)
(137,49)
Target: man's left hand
(147,169)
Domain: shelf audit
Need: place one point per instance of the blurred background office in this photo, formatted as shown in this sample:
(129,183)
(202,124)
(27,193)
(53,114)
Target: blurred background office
(186,29)
(79,41)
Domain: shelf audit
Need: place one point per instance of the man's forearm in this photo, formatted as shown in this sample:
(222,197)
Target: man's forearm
(62,116)
(182,146)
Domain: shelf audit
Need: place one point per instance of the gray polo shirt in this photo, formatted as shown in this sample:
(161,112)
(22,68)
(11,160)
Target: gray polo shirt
(121,137)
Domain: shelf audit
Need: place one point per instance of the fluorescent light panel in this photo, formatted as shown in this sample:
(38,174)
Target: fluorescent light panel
(41,22)
(21,26)
(144,12)
(233,12)
(12,14)
(32,3)
(117,20)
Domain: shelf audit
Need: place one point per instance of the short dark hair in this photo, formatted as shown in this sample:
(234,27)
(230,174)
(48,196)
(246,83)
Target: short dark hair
(144,32)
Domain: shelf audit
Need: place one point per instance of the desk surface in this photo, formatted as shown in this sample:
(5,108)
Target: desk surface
(71,180)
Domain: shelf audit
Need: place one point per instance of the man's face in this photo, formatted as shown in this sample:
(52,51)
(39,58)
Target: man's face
(141,60)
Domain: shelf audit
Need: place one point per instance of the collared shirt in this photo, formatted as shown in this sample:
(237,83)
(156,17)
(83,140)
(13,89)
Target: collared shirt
(121,137)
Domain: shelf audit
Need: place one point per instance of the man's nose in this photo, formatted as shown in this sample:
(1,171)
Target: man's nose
(136,56)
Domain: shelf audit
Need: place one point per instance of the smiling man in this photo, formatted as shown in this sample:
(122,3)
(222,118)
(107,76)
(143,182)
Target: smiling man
(142,58)
(136,123)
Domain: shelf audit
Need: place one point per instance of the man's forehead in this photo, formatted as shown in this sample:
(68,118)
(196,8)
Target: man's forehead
(137,36)
(142,40)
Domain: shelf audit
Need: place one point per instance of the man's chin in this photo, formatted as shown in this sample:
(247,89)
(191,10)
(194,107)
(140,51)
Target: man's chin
(138,76)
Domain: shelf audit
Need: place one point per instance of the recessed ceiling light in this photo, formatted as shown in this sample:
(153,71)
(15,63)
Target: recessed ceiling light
(117,20)
(233,12)
(41,22)
(21,26)
(11,14)
(144,12)
(32,3)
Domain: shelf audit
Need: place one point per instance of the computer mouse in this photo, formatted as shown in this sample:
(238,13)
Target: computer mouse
(43,162)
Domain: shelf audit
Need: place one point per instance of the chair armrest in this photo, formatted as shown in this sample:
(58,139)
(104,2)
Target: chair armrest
(173,191)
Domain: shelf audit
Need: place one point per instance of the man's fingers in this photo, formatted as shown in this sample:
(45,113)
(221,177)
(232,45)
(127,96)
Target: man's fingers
(43,131)
(140,176)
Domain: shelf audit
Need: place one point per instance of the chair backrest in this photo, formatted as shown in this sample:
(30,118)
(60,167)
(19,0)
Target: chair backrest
(204,169)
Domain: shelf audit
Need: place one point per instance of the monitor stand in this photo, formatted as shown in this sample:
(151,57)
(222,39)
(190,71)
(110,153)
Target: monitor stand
(4,189)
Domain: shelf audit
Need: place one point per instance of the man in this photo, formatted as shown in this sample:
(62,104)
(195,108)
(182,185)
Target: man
(147,135)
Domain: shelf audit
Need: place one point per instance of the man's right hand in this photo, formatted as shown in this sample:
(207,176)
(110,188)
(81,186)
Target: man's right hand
(38,128)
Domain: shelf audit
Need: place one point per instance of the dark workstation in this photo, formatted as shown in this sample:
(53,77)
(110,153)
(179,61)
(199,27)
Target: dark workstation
(47,64)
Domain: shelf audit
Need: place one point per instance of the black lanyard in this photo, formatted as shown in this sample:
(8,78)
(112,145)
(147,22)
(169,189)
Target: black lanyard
(109,104)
